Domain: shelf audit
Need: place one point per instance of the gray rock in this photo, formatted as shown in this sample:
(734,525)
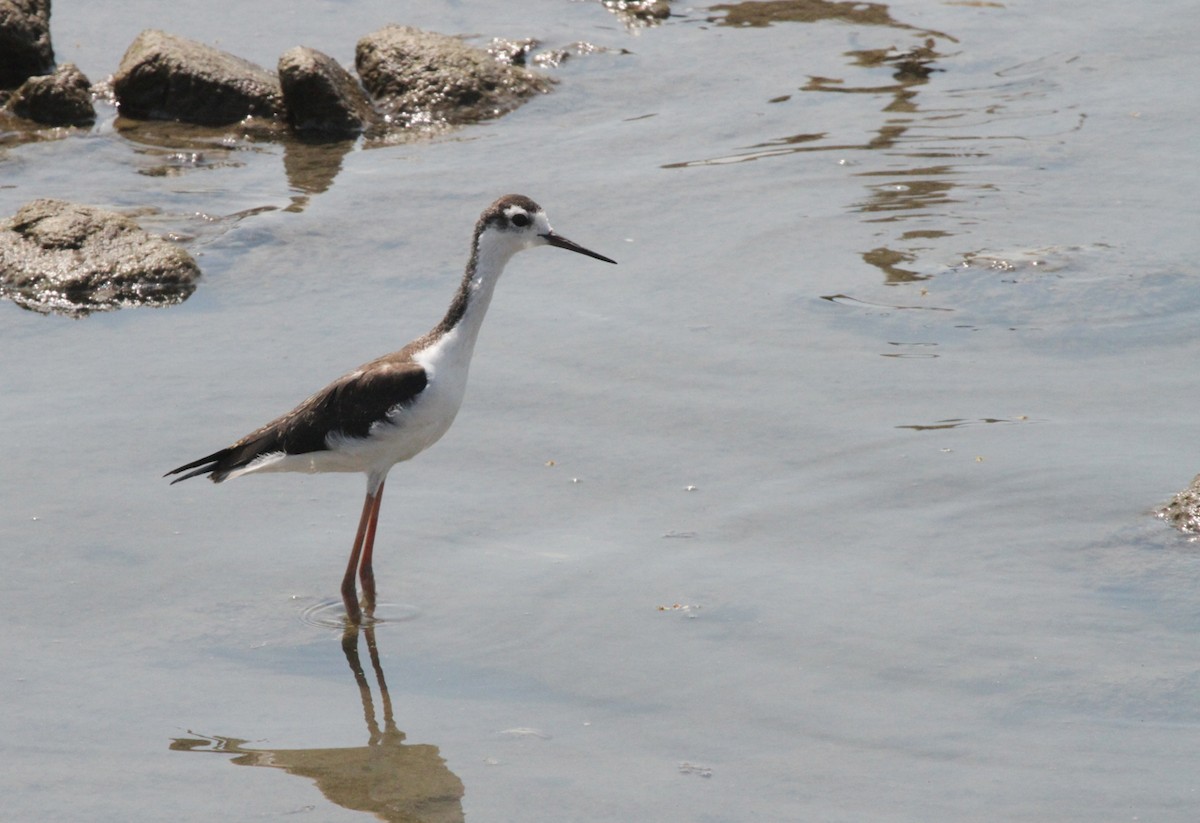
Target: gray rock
(66,258)
(165,77)
(421,78)
(322,97)
(25,48)
(642,13)
(1183,511)
(60,99)
(513,52)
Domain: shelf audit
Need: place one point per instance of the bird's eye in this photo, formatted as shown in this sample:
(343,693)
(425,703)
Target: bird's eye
(520,220)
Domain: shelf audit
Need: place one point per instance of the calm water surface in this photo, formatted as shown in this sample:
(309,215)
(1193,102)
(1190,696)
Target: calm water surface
(830,502)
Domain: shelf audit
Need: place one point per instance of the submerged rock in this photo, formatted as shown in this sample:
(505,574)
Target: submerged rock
(322,97)
(553,58)
(60,257)
(165,77)
(639,13)
(25,48)
(425,79)
(60,99)
(512,52)
(1183,512)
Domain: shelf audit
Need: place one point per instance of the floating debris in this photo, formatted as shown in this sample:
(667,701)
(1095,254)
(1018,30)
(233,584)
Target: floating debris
(683,608)
(694,768)
(525,731)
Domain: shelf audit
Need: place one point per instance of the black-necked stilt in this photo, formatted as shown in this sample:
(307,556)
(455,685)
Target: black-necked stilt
(395,407)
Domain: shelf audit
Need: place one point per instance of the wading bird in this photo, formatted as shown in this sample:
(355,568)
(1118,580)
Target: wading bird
(395,407)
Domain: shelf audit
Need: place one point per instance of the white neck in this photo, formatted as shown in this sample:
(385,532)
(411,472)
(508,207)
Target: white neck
(459,329)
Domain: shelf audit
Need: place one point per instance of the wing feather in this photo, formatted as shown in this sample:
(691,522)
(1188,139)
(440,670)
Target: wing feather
(347,407)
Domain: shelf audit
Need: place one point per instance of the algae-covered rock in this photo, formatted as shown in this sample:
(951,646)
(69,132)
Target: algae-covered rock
(165,77)
(421,78)
(322,97)
(1183,510)
(61,257)
(60,99)
(25,48)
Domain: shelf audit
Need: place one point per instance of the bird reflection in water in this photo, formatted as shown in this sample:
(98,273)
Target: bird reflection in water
(394,781)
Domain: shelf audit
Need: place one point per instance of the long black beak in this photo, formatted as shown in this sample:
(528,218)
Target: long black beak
(563,243)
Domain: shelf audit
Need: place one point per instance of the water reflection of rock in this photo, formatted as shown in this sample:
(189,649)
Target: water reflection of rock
(392,780)
(173,148)
(768,12)
(311,164)
(911,69)
(905,194)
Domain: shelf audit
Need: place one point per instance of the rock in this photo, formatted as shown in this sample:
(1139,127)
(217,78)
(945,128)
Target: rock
(553,58)
(643,13)
(512,52)
(421,78)
(60,99)
(320,96)
(164,77)
(1183,512)
(25,48)
(62,257)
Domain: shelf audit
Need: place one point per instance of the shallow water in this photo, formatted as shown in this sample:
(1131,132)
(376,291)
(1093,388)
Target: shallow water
(831,501)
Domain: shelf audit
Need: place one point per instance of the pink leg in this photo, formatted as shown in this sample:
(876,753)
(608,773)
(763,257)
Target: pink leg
(349,594)
(366,572)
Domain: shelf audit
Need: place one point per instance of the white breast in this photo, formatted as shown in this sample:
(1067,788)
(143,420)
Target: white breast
(446,364)
(410,429)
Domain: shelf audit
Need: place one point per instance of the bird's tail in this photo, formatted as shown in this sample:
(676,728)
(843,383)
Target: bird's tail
(210,465)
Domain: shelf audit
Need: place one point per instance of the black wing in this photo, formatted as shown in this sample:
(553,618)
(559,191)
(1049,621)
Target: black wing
(349,406)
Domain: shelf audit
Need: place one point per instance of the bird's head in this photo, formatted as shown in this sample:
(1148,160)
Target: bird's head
(514,222)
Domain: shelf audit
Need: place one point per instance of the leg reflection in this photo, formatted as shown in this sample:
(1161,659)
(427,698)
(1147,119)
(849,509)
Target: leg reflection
(387,777)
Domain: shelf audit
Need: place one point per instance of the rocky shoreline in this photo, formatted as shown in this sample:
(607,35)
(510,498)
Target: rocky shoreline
(407,84)
(407,78)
